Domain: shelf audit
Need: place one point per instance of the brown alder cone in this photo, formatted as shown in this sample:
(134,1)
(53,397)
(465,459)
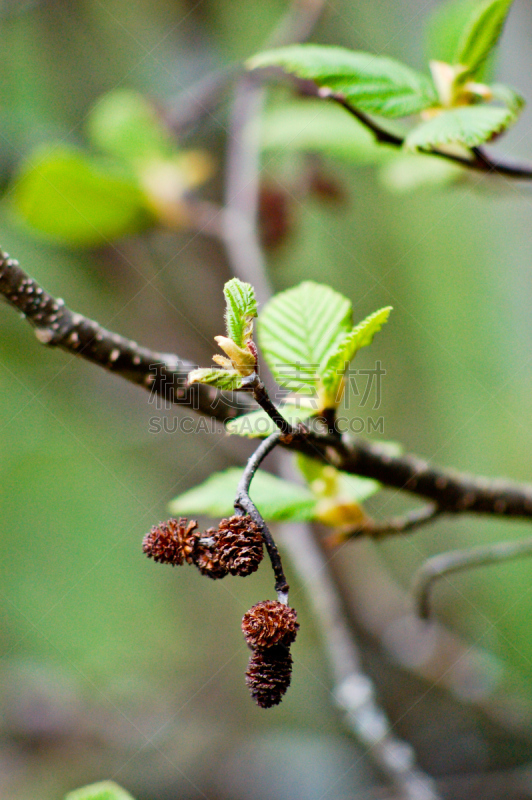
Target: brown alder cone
(208,558)
(239,545)
(172,542)
(268,675)
(268,624)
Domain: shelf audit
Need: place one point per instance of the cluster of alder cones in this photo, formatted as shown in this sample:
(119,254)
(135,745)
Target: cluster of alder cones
(235,548)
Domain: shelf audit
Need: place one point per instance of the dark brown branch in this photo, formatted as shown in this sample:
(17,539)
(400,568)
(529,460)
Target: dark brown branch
(244,503)
(57,326)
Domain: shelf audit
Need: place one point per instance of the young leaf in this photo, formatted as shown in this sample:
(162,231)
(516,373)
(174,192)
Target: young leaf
(241,308)
(361,336)
(316,127)
(445,28)
(481,34)
(106,790)
(298,330)
(276,499)
(71,197)
(469,125)
(224,379)
(258,423)
(124,124)
(374,84)
(511,99)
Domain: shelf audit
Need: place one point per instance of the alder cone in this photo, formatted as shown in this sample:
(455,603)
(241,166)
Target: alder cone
(207,558)
(268,624)
(268,675)
(239,545)
(172,542)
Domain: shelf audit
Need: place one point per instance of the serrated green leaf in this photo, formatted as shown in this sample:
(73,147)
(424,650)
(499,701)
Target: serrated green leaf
(258,423)
(470,126)
(317,127)
(511,99)
(224,379)
(446,27)
(298,330)
(71,197)
(106,790)
(346,349)
(275,498)
(124,124)
(241,308)
(481,33)
(374,84)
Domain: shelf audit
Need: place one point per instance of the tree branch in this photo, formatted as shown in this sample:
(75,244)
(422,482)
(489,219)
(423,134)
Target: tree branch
(377,529)
(481,161)
(57,326)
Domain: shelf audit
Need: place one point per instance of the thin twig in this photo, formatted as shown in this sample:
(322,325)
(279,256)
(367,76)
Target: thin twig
(444,564)
(243,502)
(406,523)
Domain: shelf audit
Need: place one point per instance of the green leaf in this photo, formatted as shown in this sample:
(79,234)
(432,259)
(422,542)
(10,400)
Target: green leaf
(326,480)
(107,790)
(258,423)
(374,84)
(511,99)
(223,379)
(469,125)
(124,124)
(298,330)
(482,33)
(410,171)
(275,498)
(445,28)
(317,127)
(241,308)
(71,197)
(361,336)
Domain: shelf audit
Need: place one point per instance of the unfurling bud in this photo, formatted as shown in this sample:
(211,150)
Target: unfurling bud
(268,624)
(238,542)
(172,542)
(268,675)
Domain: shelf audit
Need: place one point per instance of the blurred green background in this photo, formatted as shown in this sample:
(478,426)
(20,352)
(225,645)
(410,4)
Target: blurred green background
(113,667)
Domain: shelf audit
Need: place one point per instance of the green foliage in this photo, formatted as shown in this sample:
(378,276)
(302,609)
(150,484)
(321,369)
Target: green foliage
(307,338)
(258,423)
(361,336)
(373,83)
(241,308)
(76,198)
(446,27)
(298,329)
(107,790)
(470,126)
(314,126)
(326,480)
(222,379)
(511,99)
(481,34)
(277,499)
(125,125)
